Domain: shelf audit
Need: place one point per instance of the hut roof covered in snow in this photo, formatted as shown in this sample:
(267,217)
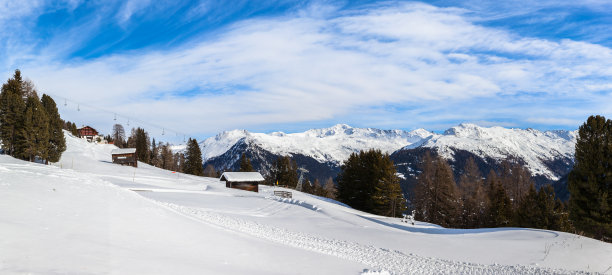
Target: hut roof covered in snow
(242,176)
(123,151)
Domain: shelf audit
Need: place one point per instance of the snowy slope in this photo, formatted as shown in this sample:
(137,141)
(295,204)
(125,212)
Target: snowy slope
(86,215)
(336,143)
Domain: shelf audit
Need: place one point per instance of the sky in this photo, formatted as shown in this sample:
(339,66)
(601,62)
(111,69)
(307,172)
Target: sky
(196,68)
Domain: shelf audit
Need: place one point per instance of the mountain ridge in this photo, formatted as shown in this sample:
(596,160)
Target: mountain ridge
(334,144)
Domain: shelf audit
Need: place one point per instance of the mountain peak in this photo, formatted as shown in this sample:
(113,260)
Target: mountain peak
(465,130)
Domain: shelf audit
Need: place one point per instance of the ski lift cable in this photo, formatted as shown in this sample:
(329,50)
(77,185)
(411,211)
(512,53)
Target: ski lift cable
(118,115)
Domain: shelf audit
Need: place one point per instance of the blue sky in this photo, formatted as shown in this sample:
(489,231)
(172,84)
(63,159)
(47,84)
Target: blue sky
(200,67)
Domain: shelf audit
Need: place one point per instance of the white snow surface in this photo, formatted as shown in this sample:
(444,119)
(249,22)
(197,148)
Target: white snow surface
(335,144)
(85,215)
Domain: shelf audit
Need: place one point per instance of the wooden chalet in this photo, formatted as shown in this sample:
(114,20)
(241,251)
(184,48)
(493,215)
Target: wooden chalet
(88,133)
(248,181)
(125,156)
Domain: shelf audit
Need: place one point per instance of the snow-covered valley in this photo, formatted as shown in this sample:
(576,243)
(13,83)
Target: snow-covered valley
(87,215)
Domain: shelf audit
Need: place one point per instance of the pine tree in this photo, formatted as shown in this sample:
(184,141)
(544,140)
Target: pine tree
(245,164)
(210,171)
(74,130)
(307,187)
(500,206)
(284,172)
(367,182)
(590,181)
(193,158)
(57,141)
(12,108)
(528,213)
(33,135)
(140,140)
(515,179)
(473,196)
(154,157)
(436,198)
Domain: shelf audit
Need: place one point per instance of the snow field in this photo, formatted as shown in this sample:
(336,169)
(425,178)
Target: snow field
(103,218)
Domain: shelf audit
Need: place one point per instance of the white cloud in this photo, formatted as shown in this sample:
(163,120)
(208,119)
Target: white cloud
(130,8)
(312,68)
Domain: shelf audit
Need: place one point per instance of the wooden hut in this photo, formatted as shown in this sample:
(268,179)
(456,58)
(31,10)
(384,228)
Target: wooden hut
(125,156)
(242,180)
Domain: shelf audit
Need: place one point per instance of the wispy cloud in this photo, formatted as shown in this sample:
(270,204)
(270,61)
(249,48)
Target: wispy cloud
(393,65)
(130,8)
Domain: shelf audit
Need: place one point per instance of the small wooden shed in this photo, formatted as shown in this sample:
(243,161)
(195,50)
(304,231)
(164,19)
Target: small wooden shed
(248,181)
(125,156)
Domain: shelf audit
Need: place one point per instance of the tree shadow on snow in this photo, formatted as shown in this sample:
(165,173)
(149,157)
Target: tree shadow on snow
(442,230)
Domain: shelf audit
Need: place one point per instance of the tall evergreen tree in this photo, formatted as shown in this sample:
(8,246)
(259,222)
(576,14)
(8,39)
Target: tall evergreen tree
(57,141)
(154,157)
(436,197)
(528,213)
(33,135)
(139,139)
(245,164)
(590,181)
(193,158)
(284,172)
(12,107)
(516,179)
(307,187)
(500,206)
(474,200)
(74,130)
(367,182)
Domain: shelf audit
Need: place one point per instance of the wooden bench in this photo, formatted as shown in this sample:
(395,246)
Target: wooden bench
(283,194)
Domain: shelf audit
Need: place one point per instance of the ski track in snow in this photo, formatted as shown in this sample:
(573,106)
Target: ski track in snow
(380,259)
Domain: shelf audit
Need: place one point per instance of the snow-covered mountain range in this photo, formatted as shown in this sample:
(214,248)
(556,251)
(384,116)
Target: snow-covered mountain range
(538,150)
(333,144)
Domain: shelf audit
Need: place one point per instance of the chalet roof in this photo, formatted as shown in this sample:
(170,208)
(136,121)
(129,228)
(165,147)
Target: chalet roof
(242,176)
(86,128)
(123,151)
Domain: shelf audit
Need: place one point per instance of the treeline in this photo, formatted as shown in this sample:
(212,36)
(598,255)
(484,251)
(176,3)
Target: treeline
(159,154)
(30,127)
(507,198)
(504,198)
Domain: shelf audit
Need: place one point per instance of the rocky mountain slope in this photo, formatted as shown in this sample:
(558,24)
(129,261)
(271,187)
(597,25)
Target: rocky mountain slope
(548,155)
